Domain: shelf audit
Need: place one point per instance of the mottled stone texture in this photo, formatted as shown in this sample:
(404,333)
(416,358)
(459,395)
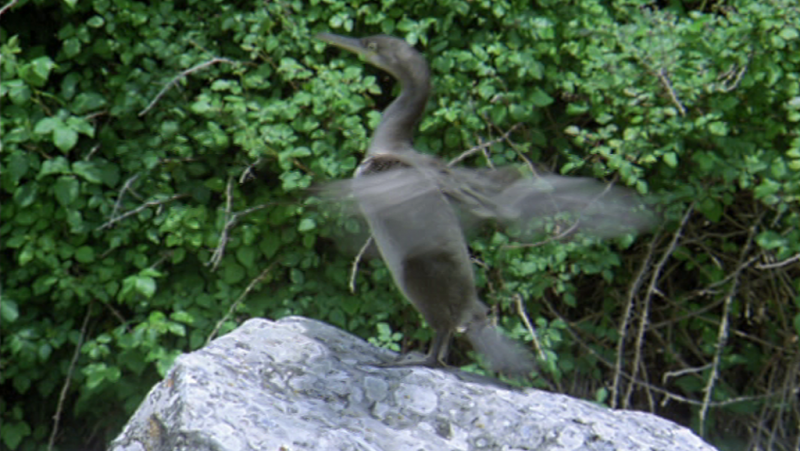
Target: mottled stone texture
(297,384)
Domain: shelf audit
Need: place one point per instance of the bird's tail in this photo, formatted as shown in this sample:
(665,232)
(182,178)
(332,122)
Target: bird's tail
(503,354)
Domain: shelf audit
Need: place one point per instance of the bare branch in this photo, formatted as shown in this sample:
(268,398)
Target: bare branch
(230,221)
(125,187)
(779,264)
(152,203)
(626,317)
(241,297)
(8,6)
(354,267)
(216,257)
(668,86)
(480,147)
(668,395)
(651,289)
(92,151)
(177,78)
(64,389)
(247,174)
(524,316)
(724,87)
(722,333)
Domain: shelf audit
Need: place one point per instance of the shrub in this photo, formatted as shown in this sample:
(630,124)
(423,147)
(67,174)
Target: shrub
(156,157)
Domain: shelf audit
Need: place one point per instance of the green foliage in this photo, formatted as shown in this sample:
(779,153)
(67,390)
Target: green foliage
(155,160)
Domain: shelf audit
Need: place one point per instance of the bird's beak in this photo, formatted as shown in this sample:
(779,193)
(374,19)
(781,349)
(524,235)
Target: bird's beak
(351,44)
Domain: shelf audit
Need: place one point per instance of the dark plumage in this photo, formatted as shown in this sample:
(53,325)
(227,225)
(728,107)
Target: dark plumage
(409,201)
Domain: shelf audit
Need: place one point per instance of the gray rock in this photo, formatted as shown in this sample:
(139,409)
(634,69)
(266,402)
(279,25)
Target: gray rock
(298,384)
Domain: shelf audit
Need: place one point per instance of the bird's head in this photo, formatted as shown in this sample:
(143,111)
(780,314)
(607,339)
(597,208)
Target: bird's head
(391,54)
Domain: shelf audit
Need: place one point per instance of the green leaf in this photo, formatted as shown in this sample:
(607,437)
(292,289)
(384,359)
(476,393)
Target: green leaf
(306,224)
(66,190)
(80,125)
(85,254)
(233,273)
(26,194)
(671,158)
(541,98)
(270,244)
(718,128)
(13,432)
(17,167)
(183,317)
(95,22)
(246,255)
(58,165)
(146,286)
(9,311)
(46,125)
(86,102)
(89,171)
(71,47)
(37,71)
(65,138)
(789,33)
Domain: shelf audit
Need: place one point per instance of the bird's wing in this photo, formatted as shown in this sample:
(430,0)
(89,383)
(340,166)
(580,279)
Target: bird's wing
(504,195)
(509,196)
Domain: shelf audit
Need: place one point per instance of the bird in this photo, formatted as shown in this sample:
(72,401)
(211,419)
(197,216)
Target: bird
(415,204)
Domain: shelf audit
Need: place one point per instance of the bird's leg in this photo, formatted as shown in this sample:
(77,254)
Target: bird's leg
(435,357)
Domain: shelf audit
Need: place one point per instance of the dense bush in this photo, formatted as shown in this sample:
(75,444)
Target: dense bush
(155,157)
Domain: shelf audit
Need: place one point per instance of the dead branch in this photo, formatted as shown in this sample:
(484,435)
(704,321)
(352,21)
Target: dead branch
(661,74)
(241,297)
(722,334)
(354,267)
(177,78)
(125,187)
(480,147)
(525,320)
(65,388)
(8,6)
(152,203)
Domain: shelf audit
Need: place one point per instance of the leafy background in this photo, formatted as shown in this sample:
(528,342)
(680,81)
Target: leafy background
(156,156)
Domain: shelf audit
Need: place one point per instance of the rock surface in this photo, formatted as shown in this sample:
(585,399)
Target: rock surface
(297,384)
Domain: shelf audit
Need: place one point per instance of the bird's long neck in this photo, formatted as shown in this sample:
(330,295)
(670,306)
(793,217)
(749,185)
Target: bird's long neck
(399,119)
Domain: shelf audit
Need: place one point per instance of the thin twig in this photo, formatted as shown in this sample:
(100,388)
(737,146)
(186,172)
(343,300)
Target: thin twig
(561,235)
(152,203)
(668,86)
(653,288)
(354,267)
(92,151)
(670,374)
(125,187)
(241,297)
(247,174)
(473,150)
(8,6)
(524,316)
(737,79)
(216,257)
(63,395)
(183,74)
(626,317)
(219,252)
(722,333)
(668,395)
(779,264)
